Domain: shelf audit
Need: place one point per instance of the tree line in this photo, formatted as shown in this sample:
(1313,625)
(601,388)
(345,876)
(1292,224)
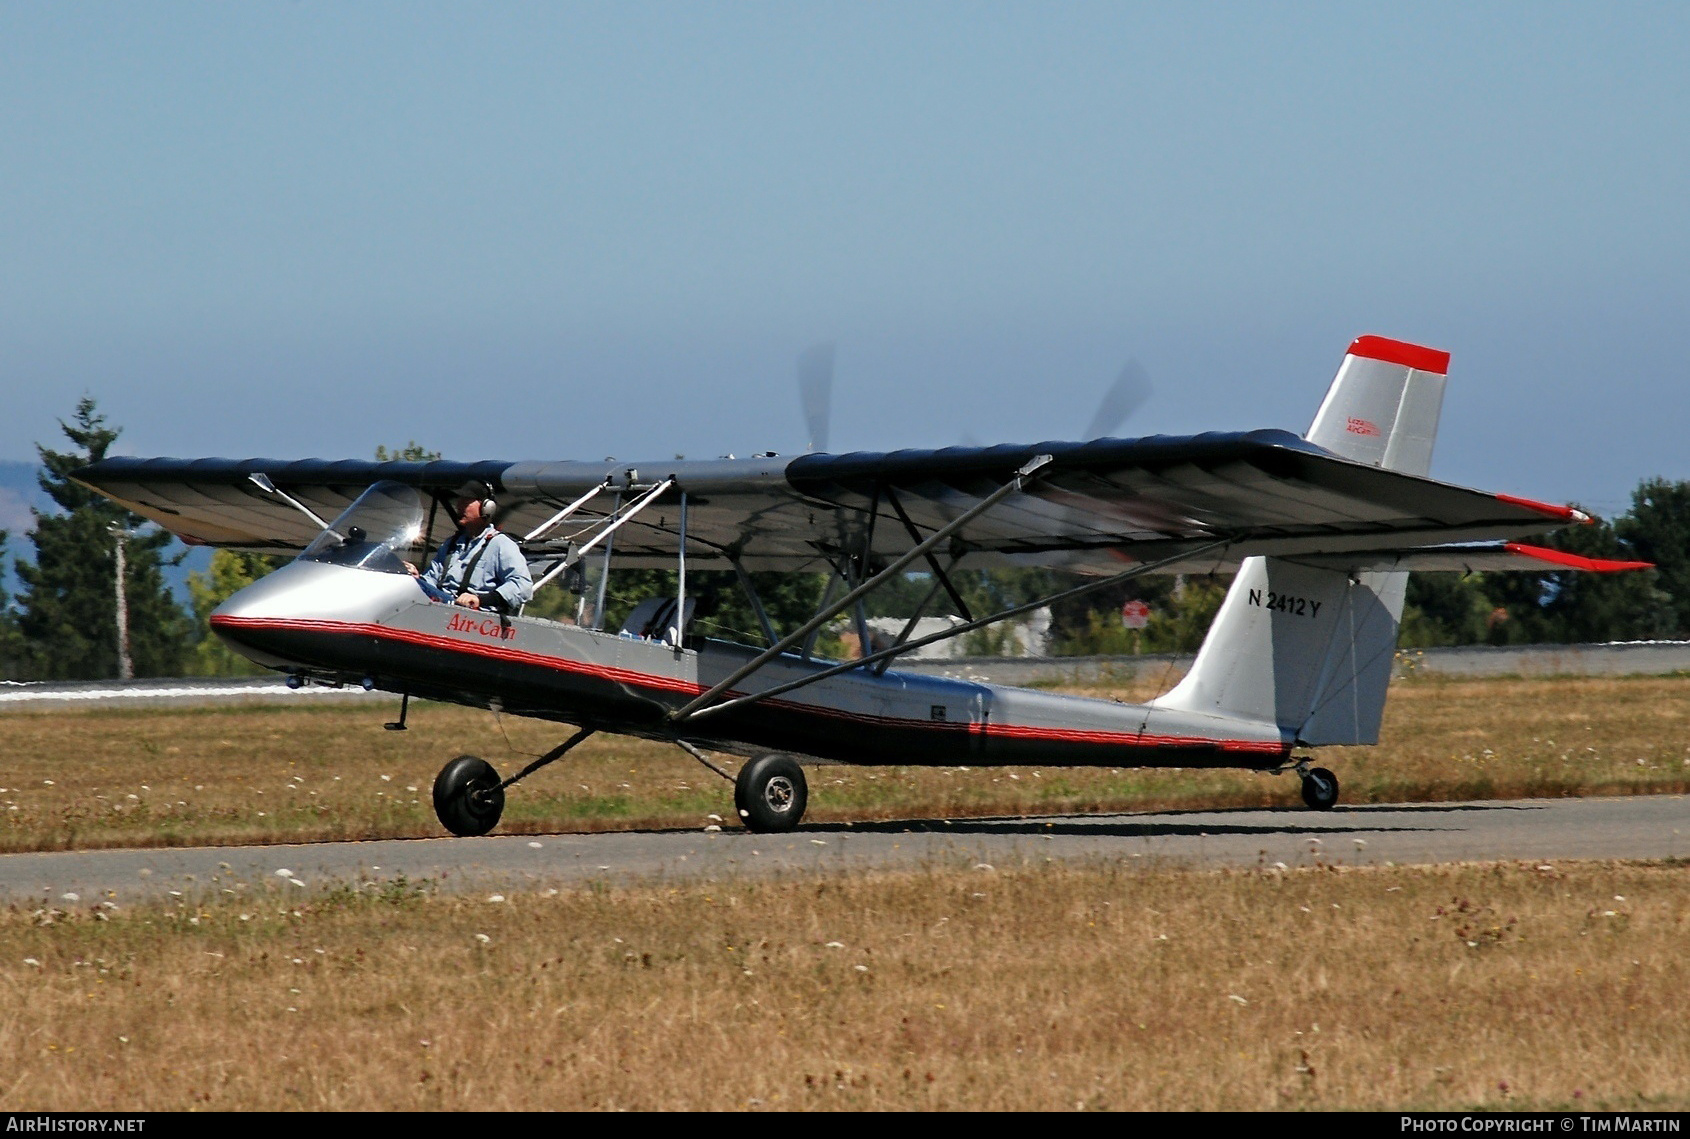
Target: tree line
(63,623)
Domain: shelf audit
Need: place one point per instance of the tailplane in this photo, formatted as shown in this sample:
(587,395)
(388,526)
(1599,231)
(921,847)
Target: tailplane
(1309,649)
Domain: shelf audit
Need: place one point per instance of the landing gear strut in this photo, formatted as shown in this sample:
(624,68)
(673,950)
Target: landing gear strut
(1320,788)
(770,794)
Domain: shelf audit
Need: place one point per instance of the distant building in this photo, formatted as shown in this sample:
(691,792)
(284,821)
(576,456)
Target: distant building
(1030,637)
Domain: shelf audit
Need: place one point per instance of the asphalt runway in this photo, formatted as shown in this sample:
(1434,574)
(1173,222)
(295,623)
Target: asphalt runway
(1540,830)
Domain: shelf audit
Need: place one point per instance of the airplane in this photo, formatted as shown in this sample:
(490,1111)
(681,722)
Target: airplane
(1320,529)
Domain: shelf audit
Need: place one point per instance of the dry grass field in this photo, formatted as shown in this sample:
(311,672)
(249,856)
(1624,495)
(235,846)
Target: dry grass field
(1043,987)
(85,779)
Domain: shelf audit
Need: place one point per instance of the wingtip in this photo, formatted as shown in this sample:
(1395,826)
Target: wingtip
(1575,561)
(1564,513)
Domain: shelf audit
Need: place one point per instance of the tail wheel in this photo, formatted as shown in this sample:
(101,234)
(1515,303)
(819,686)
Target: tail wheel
(467,797)
(770,794)
(1320,788)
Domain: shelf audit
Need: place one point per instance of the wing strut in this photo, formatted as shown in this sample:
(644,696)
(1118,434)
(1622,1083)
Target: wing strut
(836,577)
(610,526)
(750,588)
(895,650)
(1022,477)
(941,575)
(549,524)
(915,617)
(857,568)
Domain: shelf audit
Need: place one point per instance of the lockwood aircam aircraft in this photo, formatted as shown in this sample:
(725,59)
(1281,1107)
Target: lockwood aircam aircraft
(1321,529)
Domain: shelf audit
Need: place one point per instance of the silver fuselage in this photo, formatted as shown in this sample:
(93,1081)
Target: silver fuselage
(348,624)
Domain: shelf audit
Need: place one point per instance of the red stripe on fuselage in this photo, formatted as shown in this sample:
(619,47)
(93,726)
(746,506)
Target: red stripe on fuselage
(689,688)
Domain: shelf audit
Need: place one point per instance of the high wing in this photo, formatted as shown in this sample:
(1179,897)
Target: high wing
(1097,507)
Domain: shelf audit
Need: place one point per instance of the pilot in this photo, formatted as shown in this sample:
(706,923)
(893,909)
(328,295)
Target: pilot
(478,567)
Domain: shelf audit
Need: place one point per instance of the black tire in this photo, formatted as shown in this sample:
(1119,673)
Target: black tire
(467,797)
(770,794)
(1320,789)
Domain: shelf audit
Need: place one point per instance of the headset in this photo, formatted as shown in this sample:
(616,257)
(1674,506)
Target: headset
(482,492)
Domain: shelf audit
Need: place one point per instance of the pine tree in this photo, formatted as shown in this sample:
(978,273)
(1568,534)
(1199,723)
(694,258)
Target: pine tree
(68,608)
(11,641)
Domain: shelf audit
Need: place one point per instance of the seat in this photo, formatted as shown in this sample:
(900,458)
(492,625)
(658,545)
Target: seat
(654,620)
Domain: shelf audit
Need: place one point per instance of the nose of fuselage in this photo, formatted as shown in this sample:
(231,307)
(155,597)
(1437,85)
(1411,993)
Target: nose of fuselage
(293,616)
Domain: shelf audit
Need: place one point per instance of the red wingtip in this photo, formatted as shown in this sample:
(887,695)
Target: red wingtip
(1400,352)
(1565,513)
(1574,561)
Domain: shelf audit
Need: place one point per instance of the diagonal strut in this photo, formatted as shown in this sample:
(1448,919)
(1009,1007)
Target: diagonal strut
(1022,477)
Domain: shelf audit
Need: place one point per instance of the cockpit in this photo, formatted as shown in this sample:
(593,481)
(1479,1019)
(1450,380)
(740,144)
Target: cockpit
(377,532)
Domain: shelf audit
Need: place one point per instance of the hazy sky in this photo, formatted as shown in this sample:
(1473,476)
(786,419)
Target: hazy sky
(574,230)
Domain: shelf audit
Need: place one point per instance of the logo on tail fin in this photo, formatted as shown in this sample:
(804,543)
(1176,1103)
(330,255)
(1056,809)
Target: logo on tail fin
(1357,426)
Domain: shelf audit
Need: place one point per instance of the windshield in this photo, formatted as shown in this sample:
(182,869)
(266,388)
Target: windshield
(373,533)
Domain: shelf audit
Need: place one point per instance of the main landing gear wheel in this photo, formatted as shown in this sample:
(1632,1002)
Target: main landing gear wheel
(467,797)
(770,794)
(1320,788)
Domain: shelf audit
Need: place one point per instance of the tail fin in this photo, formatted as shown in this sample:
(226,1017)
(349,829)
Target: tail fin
(1309,650)
(1382,408)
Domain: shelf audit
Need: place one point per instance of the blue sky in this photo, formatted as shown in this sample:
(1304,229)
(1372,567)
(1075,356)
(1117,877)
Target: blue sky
(575,230)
